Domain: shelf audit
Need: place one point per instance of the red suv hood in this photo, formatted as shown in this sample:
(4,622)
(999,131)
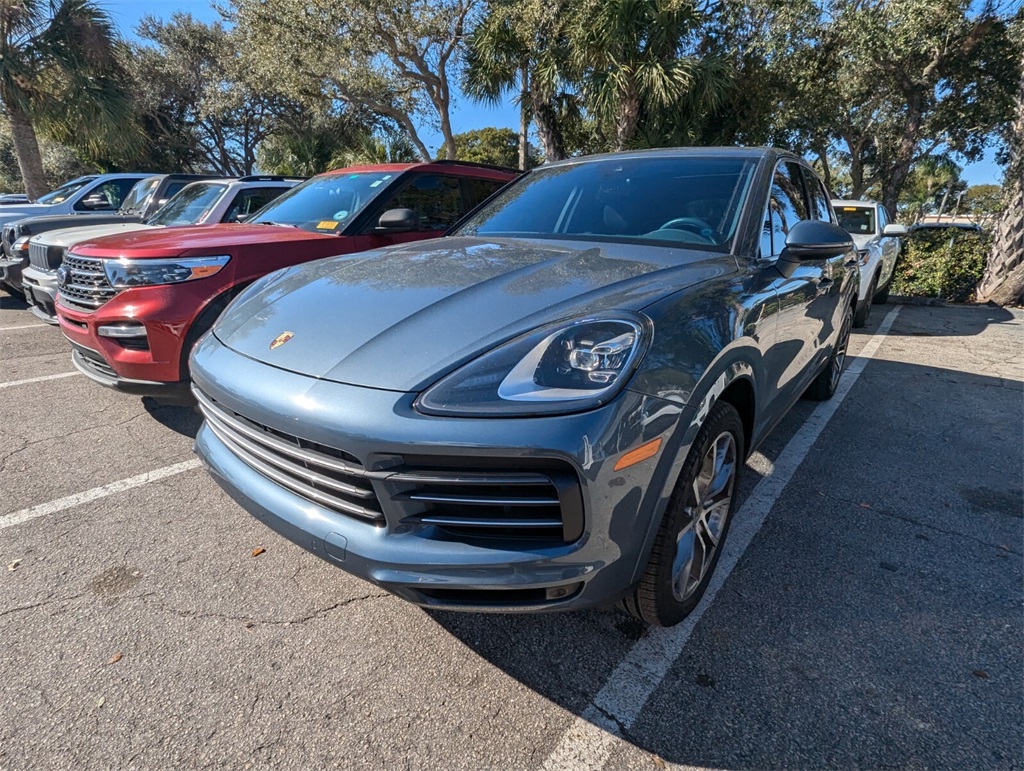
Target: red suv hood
(192,240)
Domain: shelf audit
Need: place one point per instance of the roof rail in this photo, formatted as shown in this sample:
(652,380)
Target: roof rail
(491,166)
(270,178)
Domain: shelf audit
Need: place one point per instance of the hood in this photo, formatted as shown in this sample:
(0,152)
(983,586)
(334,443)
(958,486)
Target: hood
(22,210)
(192,240)
(861,240)
(71,236)
(396,319)
(44,224)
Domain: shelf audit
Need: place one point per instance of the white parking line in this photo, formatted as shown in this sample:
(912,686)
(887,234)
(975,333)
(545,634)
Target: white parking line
(25,326)
(43,509)
(590,739)
(38,379)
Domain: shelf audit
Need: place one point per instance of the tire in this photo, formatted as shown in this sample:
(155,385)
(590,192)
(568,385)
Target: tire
(882,295)
(863,313)
(827,381)
(674,581)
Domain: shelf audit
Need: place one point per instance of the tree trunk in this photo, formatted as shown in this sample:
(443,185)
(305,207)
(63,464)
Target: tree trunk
(30,160)
(629,116)
(524,118)
(548,130)
(1003,282)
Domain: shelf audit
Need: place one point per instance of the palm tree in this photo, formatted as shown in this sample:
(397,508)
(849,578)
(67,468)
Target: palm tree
(60,71)
(632,63)
(1003,282)
(519,47)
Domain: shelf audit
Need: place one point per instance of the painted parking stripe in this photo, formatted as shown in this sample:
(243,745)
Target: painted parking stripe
(44,509)
(590,739)
(25,326)
(39,379)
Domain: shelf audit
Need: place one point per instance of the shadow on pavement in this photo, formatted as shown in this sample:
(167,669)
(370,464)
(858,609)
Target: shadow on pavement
(876,622)
(182,420)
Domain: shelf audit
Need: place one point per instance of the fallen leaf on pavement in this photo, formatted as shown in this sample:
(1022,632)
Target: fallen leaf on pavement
(101,701)
(980,673)
(14,565)
(658,762)
(864,505)
(258,551)
(115,658)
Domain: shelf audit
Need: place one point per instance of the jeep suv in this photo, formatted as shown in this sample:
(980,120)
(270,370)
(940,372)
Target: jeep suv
(97,203)
(133,306)
(199,203)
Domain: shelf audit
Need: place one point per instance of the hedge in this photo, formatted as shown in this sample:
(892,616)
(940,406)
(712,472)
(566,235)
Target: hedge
(946,263)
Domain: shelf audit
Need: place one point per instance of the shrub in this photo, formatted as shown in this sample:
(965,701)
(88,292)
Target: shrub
(946,263)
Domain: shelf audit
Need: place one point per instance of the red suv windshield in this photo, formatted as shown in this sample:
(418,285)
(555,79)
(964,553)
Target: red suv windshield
(325,204)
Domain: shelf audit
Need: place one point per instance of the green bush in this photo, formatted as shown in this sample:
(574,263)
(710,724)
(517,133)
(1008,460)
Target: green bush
(946,263)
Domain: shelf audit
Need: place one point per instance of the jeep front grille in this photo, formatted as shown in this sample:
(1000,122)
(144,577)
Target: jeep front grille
(86,285)
(44,257)
(329,477)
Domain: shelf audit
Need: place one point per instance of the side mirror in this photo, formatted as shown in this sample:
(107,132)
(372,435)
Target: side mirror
(815,240)
(240,217)
(812,240)
(96,201)
(399,220)
(894,230)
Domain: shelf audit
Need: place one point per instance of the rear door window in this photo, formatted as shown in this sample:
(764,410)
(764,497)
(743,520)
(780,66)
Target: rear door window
(476,191)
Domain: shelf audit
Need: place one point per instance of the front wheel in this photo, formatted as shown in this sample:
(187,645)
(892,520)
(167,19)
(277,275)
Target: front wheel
(695,525)
(882,295)
(825,384)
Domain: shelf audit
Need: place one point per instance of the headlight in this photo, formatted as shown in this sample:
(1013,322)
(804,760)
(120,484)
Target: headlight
(21,245)
(565,367)
(128,273)
(864,254)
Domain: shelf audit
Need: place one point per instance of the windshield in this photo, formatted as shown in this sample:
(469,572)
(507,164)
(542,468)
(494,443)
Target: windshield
(139,196)
(66,190)
(190,206)
(858,220)
(325,204)
(677,201)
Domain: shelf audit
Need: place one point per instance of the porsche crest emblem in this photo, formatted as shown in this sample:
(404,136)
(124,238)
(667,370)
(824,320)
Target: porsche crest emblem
(281,339)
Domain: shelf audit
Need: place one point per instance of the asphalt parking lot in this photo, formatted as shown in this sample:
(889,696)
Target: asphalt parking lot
(874,620)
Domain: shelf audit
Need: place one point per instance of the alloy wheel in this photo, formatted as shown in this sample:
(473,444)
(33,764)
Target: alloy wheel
(708,504)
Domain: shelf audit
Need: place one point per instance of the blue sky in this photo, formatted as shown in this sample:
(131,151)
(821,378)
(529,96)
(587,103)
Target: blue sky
(466,115)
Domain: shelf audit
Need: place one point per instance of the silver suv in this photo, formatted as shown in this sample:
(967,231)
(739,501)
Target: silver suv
(199,203)
(878,247)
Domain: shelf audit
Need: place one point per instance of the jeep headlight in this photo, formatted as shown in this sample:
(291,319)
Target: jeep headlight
(126,273)
(565,367)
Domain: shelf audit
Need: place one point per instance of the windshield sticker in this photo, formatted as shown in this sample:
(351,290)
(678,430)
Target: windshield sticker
(327,225)
(59,199)
(340,215)
(849,208)
(378,183)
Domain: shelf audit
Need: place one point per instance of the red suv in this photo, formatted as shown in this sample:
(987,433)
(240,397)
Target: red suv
(134,305)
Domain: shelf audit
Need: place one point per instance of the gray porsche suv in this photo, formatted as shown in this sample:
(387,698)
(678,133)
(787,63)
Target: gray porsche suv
(549,407)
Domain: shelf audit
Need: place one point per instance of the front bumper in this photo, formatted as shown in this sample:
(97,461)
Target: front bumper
(11,269)
(148,364)
(40,289)
(426,564)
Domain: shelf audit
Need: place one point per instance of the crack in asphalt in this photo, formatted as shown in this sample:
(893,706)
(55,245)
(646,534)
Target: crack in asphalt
(318,613)
(40,604)
(910,520)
